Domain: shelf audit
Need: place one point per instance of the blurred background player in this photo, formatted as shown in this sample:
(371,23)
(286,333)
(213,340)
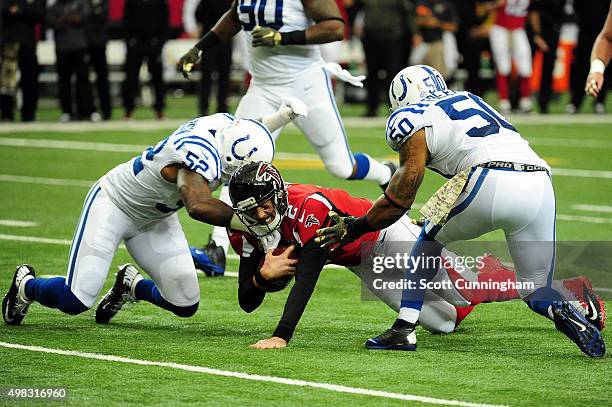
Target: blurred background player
(434,20)
(546,23)
(268,206)
(497,182)
(68,19)
(146,28)
(19,19)
(136,202)
(509,44)
(285,60)
(591,18)
(96,32)
(218,59)
(600,56)
(385,35)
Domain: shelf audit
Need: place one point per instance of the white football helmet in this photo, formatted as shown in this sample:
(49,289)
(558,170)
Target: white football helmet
(414,83)
(242,141)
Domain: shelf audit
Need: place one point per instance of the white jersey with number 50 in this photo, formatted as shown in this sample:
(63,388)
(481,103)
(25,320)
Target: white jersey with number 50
(137,186)
(281,63)
(461,131)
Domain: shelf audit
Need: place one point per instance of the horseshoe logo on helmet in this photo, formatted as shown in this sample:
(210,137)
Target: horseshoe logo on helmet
(247,155)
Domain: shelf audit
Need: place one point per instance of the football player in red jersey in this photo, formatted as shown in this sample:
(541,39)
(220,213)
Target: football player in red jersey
(288,215)
(509,44)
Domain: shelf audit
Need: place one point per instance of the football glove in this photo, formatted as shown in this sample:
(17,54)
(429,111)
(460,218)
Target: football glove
(266,37)
(336,235)
(294,107)
(188,60)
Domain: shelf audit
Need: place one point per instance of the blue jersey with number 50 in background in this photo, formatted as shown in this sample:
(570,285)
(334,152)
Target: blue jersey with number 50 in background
(461,131)
(137,186)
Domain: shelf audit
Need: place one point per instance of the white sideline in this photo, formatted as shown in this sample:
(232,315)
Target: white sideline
(247,376)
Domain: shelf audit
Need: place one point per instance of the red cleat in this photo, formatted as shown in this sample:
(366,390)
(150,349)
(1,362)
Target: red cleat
(582,288)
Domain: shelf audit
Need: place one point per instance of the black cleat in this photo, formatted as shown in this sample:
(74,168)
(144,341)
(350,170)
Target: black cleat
(395,339)
(119,294)
(210,259)
(391,165)
(14,304)
(584,334)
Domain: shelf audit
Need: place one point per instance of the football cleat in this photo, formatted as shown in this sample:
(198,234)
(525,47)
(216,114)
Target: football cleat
(584,334)
(395,339)
(210,259)
(595,311)
(391,165)
(119,294)
(15,304)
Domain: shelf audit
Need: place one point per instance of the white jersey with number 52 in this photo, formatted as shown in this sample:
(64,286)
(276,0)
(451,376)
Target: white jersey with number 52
(282,63)
(137,186)
(461,131)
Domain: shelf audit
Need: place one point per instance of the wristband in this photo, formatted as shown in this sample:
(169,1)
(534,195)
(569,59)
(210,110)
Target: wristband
(260,280)
(359,227)
(293,38)
(597,66)
(210,39)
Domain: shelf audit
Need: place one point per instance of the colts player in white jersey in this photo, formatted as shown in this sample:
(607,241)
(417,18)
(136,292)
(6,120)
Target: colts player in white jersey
(136,202)
(284,59)
(499,182)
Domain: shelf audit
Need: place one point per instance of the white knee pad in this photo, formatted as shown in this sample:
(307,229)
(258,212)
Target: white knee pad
(437,315)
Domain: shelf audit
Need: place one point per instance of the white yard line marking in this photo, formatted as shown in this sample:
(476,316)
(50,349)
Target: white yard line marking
(585,219)
(592,208)
(17,223)
(247,376)
(572,172)
(45,181)
(372,123)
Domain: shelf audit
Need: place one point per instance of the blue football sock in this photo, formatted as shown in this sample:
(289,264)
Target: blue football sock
(423,266)
(54,293)
(146,290)
(541,300)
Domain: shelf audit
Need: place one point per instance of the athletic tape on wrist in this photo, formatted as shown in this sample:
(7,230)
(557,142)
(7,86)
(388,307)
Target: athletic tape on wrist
(597,66)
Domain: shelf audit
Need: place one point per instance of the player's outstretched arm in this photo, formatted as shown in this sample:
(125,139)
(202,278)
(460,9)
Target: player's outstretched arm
(250,296)
(198,200)
(311,262)
(227,26)
(600,56)
(396,201)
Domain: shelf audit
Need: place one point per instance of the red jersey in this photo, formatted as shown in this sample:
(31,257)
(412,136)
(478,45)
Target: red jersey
(308,209)
(512,14)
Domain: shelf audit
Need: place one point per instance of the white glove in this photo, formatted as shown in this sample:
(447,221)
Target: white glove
(271,241)
(294,107)
(344,75)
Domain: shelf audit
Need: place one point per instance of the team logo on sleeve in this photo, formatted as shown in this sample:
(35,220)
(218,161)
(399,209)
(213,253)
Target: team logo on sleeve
(311,220)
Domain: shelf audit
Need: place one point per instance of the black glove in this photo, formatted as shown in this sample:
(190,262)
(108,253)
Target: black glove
(266,37)
(338,234)
(188,60)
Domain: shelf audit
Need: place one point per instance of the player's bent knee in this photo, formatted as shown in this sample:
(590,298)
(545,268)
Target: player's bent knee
(71,305)
(343,171)
(185,312)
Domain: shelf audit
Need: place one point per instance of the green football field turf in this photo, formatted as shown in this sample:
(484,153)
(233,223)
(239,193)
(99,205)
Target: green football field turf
(501,354)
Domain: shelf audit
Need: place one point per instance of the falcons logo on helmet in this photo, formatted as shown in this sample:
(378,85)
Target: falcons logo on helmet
(267,172)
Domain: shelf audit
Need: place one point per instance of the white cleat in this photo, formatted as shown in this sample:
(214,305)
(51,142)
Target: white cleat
(15,303)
